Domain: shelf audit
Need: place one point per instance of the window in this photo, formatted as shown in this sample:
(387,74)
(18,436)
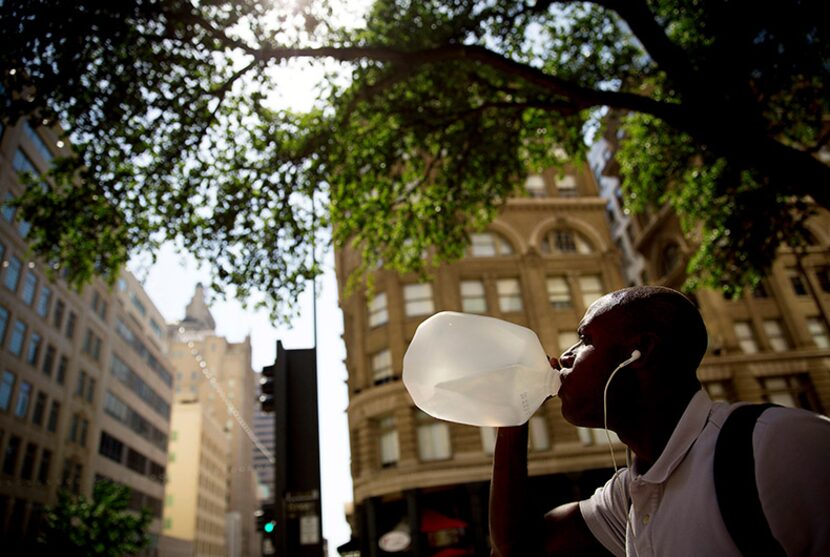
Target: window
(797,281)
(12,273)
(137,304)
(92,345)
(111,447)
(722,391)
(473,298)
(155,327)
(795,391)
(418,299)
(70,324)
(99,305)
(24,393)
(29,456)
(433,438)
(71,476)
(40,146)
(34,349)
(592,289)
(78,429)
(382,367)
(378,313)
(818,330)
(54,414)
(760,291)
(4,321)
(57,318)
(823,276)
(136,461)
(774,330)
(488,439)
(559,294)
(10,455)
(489,244)
(566,186)
(18,335)
(63,364)
(45,465)
(746,337)
(49,360)
(6,389)
(535,186)
(29,288)
(510,295)
(390,451)
(538,434)
(90,390)
(8,209)
(40,409)
(561,240)
(81,385)
(43,301)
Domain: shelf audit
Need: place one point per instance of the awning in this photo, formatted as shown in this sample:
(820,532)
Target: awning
(432,521)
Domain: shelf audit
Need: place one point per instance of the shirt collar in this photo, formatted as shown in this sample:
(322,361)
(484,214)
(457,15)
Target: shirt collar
(685,434)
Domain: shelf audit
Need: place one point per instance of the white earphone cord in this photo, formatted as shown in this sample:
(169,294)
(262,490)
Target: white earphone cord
(634,355)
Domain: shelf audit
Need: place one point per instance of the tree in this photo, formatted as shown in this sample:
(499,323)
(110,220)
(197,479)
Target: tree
(430,115)
(103,526)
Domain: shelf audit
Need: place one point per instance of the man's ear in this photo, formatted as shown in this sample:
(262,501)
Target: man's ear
(646,344)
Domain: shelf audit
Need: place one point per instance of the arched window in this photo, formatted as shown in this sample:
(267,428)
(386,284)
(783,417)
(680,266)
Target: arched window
(564,240)
(535,186)
(489,244)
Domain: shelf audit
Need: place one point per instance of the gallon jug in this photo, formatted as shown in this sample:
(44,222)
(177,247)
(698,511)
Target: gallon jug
(477,370)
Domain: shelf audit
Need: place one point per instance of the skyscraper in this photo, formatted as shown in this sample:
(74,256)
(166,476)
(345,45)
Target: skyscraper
(86,387)
(218,375)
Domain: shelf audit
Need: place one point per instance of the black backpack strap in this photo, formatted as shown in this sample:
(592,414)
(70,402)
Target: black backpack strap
(735,487)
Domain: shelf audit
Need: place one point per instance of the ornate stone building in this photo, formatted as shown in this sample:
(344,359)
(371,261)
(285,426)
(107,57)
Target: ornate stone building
(424,483)
(540,264)
(771,344)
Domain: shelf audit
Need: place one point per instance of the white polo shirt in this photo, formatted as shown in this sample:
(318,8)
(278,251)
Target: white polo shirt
(674,511)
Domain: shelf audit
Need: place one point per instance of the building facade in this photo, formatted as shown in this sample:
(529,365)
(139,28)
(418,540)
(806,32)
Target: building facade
(770,344)
(218,374)
(86,387)
(423,483)
(198,482)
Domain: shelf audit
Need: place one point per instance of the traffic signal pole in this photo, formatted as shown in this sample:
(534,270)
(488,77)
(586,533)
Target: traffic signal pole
(297,499)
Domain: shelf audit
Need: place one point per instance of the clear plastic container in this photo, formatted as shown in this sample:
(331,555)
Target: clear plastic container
(477,370)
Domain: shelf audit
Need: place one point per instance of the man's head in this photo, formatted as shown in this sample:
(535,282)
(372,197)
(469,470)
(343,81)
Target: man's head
(661,323)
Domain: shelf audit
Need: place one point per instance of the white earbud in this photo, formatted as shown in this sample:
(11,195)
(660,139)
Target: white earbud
(634,356)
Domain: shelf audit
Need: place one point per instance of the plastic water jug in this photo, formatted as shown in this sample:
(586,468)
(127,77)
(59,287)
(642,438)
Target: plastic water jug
(477,370)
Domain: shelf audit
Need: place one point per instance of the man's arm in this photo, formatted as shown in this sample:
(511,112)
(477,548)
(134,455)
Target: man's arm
(514,531)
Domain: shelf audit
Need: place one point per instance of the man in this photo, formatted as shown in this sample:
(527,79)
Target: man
(665,504)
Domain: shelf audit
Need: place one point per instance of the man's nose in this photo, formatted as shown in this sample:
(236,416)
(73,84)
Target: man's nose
(566,359)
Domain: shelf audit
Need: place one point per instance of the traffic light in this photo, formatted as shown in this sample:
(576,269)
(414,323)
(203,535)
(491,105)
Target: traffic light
(266,388)
(265,519)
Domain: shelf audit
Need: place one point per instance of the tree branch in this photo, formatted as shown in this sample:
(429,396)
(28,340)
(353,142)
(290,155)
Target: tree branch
(582,97)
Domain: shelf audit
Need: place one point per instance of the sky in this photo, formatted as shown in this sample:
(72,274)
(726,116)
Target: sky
(170,283)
